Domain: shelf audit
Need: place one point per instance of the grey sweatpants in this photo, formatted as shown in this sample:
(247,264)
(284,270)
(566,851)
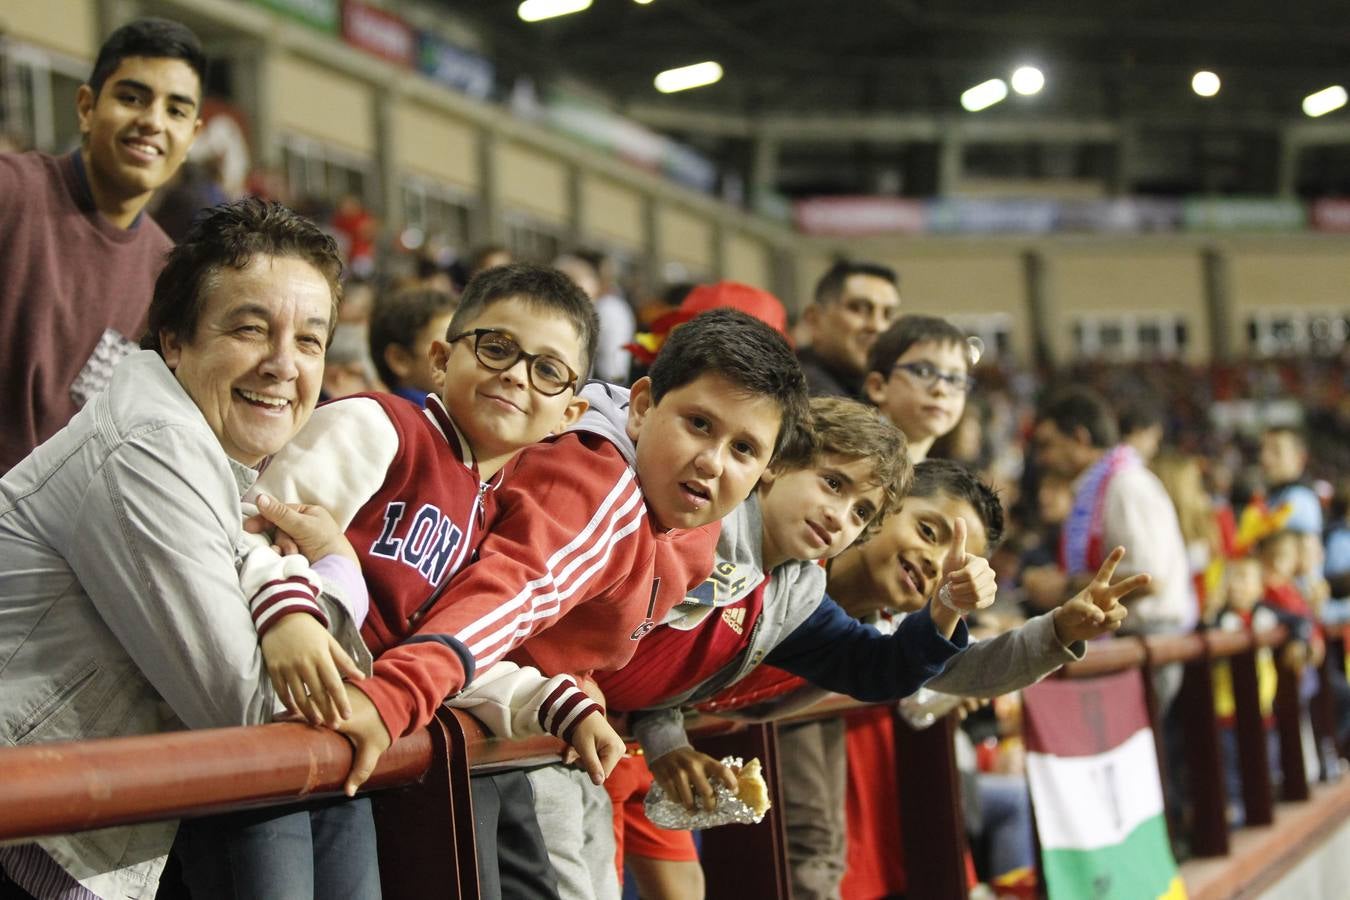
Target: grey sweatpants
(578,825)
(811,760)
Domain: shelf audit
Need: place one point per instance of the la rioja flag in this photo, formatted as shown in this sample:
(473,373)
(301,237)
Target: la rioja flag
(1095,788)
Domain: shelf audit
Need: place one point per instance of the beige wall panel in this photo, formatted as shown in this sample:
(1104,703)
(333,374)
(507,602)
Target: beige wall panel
(967,286)
(428,142)
(532,181)
(69,26)
(611,212)
(323,104)
(685,238)
(747,260)
(1311,280)
(1127,281)
(1292,279)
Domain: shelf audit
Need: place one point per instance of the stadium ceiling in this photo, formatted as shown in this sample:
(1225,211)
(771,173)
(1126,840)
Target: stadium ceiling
(844,92)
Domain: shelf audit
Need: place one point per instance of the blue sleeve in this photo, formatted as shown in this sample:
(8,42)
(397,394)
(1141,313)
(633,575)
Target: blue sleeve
(1338,553)
(835,651)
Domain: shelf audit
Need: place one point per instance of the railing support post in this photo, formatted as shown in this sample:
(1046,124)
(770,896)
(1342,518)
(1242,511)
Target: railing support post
(1293,773)
(1204,760)
(748,862)
(426,829)
(930,806)
(1253,756)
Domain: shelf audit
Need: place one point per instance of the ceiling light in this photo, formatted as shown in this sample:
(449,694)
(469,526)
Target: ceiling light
(1206,84)
(686,77)
(1027,80)
(984,95)
(1324,101)
(642,2)
(537,10)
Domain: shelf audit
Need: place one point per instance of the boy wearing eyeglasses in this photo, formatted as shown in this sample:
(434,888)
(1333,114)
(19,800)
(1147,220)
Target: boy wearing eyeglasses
(413,488)
(918,375)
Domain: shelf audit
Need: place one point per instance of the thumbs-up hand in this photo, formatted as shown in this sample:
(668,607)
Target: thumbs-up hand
(967,583)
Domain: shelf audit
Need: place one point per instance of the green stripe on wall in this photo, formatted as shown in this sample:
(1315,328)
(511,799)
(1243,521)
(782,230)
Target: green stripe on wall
(1139,867)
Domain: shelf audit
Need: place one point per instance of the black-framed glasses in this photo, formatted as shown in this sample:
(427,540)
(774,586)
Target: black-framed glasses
(928,375)
(498,351)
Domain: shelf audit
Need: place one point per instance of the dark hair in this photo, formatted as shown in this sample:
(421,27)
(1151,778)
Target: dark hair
(944,476)
(1268,543)
(907,331)
(396,319)
(831,285)
(151,38)
(542,288)
(1139,413)
(232,235)
(748,353)
(1079,407)
(1298,434)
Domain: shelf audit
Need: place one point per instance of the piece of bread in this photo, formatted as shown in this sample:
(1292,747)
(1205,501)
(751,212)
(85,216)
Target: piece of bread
(751,789)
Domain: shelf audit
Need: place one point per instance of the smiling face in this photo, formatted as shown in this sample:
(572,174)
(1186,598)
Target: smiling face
(499,412)
(702,449)
(138,129)
(924,412)
(819,511)
(843,331)
(255,364)
(913,543)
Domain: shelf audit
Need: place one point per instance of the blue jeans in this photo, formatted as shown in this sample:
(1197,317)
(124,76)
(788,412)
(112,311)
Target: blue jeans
(324,849)
(1005,811)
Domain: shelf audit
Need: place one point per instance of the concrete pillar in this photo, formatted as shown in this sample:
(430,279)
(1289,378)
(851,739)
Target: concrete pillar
(1218,281)
(783,278)
(488,226)
(1286,175)
(951,152)
(653,257)
(576,213)
(1127,147)
(763,170)
(718,237)
(388,192)
(1039,307)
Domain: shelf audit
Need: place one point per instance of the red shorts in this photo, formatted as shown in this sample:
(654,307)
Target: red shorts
(634,833)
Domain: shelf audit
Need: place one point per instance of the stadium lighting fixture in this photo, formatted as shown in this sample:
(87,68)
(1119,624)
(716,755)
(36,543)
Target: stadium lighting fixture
(686,77)
(984,95)
(538,10)
(1324,101)
(1028,80)
(1205,83)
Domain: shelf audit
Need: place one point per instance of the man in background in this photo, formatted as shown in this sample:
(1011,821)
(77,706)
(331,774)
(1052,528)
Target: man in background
(853,303)
(78,256)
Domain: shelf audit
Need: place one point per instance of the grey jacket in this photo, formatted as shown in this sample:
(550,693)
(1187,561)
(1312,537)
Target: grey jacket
(121,610)
(1006,663)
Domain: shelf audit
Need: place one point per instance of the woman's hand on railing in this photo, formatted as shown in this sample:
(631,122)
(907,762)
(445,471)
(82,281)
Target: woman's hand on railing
(684,773)
(1096,609)
(365,729)
(306,665)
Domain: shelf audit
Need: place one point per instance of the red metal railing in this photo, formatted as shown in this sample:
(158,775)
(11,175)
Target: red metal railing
(422,784)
